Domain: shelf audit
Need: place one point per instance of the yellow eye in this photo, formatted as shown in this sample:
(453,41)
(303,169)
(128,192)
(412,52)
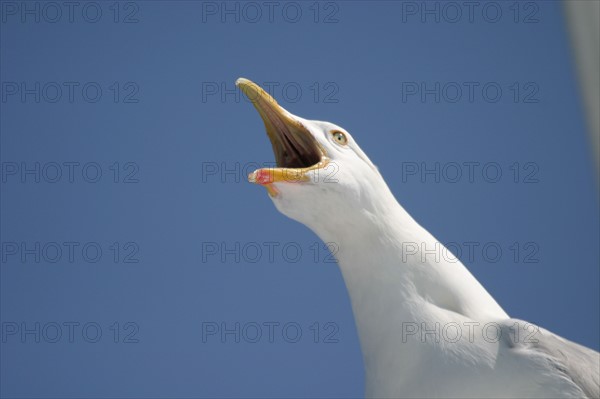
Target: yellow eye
(339,137)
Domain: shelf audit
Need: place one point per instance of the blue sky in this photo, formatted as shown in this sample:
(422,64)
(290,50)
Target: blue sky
(138,256)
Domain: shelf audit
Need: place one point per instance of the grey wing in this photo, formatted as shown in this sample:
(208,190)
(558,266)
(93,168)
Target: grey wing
(577,363)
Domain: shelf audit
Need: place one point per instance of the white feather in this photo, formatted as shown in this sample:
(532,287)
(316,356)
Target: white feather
(392,293)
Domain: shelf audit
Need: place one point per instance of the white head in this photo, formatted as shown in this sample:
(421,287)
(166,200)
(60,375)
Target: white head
(322,176)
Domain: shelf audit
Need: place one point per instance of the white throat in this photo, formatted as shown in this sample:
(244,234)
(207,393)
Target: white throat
(397,278)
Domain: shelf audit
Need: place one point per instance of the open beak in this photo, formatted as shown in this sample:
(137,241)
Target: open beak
(296,150)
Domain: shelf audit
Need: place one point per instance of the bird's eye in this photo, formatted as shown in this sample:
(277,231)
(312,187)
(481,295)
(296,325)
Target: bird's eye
(339,137)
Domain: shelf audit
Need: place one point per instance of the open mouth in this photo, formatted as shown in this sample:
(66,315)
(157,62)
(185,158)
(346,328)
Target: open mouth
(293,145)
(296,150)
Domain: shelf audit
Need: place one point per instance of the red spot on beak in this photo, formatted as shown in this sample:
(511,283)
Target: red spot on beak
(263,176)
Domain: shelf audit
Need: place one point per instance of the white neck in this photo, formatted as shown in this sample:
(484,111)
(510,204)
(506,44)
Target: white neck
(397,274)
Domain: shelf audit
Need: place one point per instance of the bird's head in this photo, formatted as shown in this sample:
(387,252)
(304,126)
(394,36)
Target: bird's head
(321,174)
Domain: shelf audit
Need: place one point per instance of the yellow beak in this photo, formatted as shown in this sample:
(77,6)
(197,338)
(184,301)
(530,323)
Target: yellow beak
(296,150)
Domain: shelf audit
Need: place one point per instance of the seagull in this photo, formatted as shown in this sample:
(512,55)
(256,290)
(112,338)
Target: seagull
(427,327)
